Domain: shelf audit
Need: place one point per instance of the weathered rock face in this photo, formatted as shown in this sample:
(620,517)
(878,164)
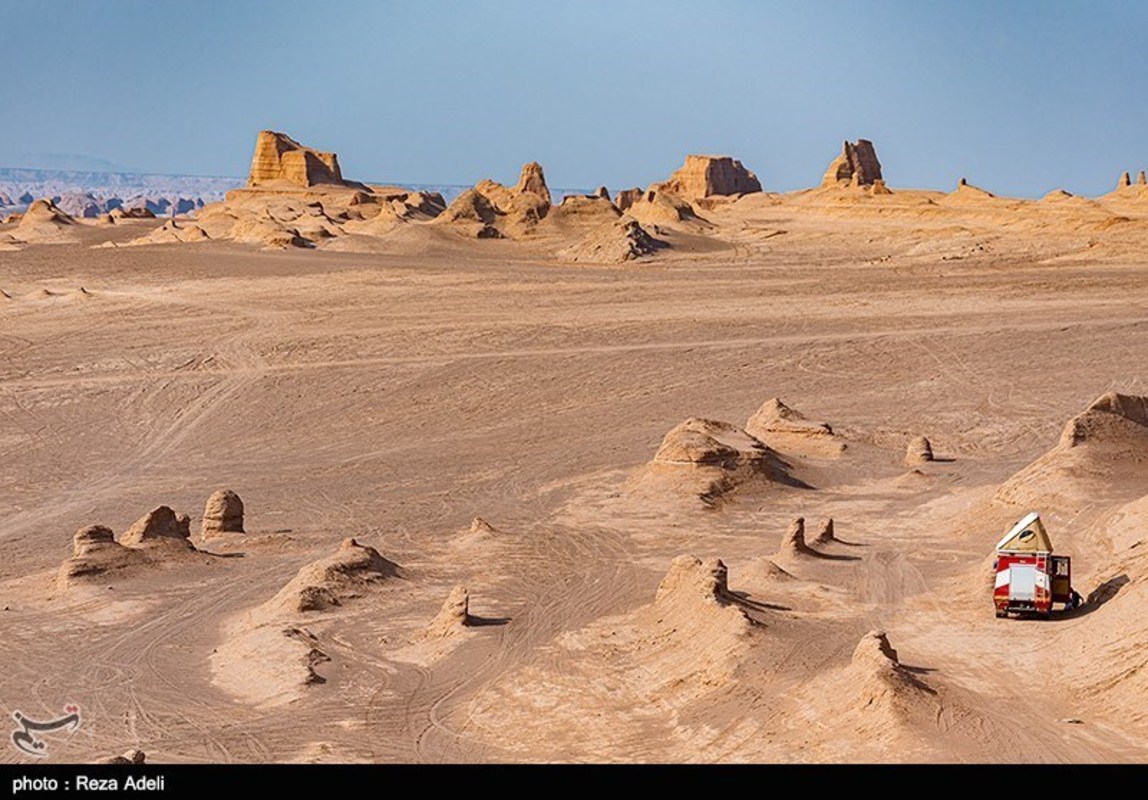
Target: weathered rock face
(1125,180)
(223,513)
(856,166)
(278,157)
(627,198)
(706,176)
(1142,179)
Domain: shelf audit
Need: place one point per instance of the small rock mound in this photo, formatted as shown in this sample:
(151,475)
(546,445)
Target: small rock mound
(44,211)
(1101,453)
(614,243)
(223,514)
(657,207)
(160,526)
(775,416)
(789,430)
(454,615)
(708,442)
(793,542)
(331,581)
(1111,417)
(473,214)
(707,459)
(96,554)
(480,526)
(130,757)
(825,533)
(884,682)
(856,166)
(695,582)
(92,539)
(919,451)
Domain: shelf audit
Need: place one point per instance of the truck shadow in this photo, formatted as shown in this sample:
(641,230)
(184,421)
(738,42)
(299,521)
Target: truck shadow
(1098,597)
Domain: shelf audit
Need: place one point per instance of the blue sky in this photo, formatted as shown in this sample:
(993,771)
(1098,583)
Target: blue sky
(1018,96)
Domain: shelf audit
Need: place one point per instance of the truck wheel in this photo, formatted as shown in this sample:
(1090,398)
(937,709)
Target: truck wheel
(1001,614)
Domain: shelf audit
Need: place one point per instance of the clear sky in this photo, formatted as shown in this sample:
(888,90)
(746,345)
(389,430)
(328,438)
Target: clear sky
(1019,96)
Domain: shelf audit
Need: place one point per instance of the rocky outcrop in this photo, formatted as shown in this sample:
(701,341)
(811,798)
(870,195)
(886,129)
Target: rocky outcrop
(491,210)
(707,176)
(331,581)
(278,157)
(825,533)
(627,197)
(919,451)
(614,243)
(223,514)
(793,542)
(856,166)
(1125,180)
(160,526)
(454,615)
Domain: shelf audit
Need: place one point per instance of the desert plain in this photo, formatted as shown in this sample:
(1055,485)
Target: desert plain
(637,481)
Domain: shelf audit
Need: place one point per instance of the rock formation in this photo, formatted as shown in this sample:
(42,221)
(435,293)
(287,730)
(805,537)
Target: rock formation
(480,526)
(919,451)
(331,581)
(825,533)
(223,514)
(96,553)
(657,207)
(627,197)
(454,615)
(491,210)
(278,157)
(708,442)
(882,683)
(614,243)
(793,542)
(1111,418)
(706,176)
(788,430)
(1142,179)
(774,416)
(160,526)
(1101,452)
(695,579)
(1125,180)
(856,166)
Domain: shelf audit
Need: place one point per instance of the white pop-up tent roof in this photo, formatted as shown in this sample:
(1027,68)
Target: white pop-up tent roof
(1027,536)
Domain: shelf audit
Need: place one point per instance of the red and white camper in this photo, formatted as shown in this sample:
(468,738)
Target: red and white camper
(1029,578)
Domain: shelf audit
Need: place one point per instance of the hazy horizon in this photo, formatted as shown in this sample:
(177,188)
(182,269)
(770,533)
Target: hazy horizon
(1020,98)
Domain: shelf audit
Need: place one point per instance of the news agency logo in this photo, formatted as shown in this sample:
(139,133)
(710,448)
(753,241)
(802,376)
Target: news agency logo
(26,739)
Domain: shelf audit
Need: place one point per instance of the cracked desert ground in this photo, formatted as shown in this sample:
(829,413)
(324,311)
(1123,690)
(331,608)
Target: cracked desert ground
(484,415)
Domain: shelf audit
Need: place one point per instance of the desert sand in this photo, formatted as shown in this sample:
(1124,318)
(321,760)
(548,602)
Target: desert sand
(333,472)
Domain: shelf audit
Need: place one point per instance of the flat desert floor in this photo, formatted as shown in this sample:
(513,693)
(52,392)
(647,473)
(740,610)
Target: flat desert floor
(485,416)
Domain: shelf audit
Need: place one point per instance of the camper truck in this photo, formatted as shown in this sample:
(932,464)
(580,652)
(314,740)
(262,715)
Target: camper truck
(1029,578)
